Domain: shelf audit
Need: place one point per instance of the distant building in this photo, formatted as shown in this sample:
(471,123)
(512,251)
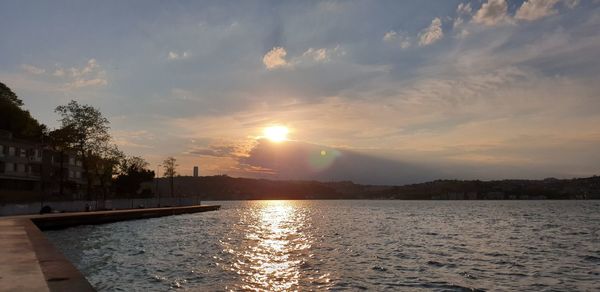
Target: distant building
(20,165)
(28,169)
(195,171)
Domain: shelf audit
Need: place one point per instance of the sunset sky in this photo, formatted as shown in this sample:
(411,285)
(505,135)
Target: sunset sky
(383,92)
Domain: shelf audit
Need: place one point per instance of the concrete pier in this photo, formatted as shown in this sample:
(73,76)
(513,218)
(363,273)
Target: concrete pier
(31,263)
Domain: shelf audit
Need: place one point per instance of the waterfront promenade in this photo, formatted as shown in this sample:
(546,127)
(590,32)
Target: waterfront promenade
(31,263)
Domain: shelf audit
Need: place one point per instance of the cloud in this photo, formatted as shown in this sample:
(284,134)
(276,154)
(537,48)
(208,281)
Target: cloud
(319,55)
(91,65)
(491,13)
(32,69)
(397,38)
(60,72)
(571,3)
(275,58)
(299,160)
(390,36)
(133,139)
(432,33)
(177,56)
(79,83)
(537,9)
(464,9)
(90,75)
(457,22)
(464,12)
(222,148)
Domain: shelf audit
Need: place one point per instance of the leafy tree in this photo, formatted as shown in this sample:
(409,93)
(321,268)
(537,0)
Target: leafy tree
(60,140)
(89,136)
(170,170)
(15,119)
(8,95)
(132,163)
(132,172)
(104,165)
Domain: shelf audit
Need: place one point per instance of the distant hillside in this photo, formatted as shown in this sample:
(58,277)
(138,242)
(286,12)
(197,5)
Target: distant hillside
(229,188)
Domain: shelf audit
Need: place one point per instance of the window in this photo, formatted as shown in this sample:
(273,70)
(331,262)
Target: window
(23,152)
(71,174)
(1,150)
(9,167)
(20,167)
(78,174)
(71,160)
(11,151)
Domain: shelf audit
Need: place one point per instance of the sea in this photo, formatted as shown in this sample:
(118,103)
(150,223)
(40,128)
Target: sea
(348,245)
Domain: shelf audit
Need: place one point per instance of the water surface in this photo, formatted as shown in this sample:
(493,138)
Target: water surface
(347,245)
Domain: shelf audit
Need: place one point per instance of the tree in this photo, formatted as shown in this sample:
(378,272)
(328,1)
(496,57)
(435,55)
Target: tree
(60,140)
(15,119)
(8,95)
(132,172)
(90,137)
(104,165)
(170,172)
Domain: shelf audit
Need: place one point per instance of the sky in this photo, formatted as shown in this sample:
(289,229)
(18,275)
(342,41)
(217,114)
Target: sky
(378,92)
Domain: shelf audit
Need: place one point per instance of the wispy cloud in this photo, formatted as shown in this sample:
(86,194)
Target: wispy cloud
(172,55)
(532,10)
(32,69)
(133,139)
(277,58)
(536,9)
(90,75)
(464,9)
(393,37)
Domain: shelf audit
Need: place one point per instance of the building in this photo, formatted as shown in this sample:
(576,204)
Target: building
(195,171)
(20,166)
(30,170)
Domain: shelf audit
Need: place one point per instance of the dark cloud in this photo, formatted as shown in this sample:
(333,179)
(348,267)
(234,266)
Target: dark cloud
(229,150)
(300,160)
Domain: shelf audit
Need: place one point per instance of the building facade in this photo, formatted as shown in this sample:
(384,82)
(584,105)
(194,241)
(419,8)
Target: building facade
(31,170)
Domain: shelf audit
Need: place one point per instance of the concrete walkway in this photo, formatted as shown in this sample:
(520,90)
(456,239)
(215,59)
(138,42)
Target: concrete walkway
(29,262)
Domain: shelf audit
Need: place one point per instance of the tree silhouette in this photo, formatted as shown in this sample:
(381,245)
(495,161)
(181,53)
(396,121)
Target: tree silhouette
(170,170)
(132,172)
(60,140)
(90,137)
(104,164)
(16,120)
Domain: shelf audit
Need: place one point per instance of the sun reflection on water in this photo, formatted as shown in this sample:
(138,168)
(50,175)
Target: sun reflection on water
(274,253)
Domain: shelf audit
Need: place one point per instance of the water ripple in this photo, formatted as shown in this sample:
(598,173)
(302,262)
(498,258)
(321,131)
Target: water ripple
(347,245)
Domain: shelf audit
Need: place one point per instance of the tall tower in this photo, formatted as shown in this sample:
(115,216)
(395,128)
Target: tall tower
(195,171)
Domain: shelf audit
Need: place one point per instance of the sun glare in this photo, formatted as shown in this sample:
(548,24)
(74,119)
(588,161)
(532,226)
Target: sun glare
(276,133)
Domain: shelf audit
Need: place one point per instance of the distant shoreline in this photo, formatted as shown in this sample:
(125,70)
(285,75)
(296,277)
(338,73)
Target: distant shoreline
(223,187)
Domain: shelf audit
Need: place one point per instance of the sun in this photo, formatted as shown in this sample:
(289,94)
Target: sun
(276,133)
